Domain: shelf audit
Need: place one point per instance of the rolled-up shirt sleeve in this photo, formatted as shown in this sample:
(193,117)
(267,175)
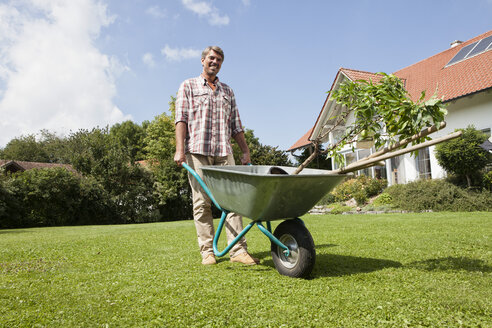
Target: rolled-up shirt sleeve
(182,104)
(236,125)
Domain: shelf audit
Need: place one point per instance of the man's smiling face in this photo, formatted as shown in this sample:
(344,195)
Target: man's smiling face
(212,63)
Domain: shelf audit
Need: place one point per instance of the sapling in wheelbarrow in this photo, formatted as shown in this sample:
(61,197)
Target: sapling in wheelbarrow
(379,114)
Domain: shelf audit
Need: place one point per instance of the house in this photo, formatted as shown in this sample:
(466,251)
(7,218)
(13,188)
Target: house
(16,166)
(460,75)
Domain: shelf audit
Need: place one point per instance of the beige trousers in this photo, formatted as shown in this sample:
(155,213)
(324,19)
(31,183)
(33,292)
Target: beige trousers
(202,211)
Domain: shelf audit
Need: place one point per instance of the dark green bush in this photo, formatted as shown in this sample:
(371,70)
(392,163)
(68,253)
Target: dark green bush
(53,197)
(487,180)
(438,195)
(463,156)
(10,207)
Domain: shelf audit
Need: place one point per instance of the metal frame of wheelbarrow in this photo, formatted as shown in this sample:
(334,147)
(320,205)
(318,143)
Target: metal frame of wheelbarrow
(263,194)
(267,231)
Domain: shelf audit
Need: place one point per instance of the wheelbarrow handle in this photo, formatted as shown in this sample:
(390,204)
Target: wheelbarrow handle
(202,183)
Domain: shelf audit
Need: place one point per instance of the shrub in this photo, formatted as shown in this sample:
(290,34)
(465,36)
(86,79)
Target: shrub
(360,197)
(327,199)
(53,197)
(10,207)
(463,156)
(487,180)
(344,191)
(338,208)
(360,188)
(48,196)
(383,199)
(438,195)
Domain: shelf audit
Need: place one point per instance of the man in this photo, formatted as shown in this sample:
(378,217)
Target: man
(206,119)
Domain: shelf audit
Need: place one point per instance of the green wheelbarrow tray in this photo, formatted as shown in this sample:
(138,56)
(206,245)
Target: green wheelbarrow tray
(254,192)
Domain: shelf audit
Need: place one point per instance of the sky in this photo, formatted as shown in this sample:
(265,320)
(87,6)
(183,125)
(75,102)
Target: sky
(67,65)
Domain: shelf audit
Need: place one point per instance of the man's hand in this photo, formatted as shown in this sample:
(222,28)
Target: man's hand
(245,159)
(179,157)
(241,141)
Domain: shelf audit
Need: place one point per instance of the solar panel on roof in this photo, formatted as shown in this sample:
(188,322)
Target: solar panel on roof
(471,50)
(462,53)
(481,46)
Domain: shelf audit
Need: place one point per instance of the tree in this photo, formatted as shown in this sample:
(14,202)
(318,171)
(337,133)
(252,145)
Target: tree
(383,111)
(463,156)
(320,162)
(260,154)
(97,154)
(160,139)
(131,137)
(47,147)
(171,181)
(25,148)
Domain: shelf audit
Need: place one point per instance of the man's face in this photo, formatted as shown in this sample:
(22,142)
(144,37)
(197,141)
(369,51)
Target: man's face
(212,63)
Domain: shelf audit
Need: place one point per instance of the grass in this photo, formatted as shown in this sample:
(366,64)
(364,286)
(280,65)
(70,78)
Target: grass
(391,270)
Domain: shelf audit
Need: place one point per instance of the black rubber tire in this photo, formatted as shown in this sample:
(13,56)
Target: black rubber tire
(294,234)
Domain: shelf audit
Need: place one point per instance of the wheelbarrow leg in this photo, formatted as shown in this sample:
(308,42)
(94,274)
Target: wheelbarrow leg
(274,239)
(232,243)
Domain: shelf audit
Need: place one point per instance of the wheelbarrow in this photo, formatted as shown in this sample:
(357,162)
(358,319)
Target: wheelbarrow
(254,192)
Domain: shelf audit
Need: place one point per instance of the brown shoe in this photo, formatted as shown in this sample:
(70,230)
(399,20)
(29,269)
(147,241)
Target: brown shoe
(209,259)
(245,258)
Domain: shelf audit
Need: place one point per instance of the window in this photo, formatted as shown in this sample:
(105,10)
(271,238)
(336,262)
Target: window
(378,172)
(397,170)
(423,164)
(350,158)
(361,154)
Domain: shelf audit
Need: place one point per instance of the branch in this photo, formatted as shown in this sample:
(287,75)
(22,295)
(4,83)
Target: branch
(370,162)
(308,160)
(406,141)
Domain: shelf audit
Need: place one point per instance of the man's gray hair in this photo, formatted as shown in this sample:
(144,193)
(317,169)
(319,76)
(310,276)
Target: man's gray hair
(214,48)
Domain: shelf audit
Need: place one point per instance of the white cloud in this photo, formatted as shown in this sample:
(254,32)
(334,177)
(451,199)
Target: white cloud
(156,12)
(204,9)
(148,59)
(179,54)
(51,74)
(216,19)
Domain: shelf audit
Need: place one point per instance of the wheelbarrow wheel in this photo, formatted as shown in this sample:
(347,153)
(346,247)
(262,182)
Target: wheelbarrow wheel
(294,235)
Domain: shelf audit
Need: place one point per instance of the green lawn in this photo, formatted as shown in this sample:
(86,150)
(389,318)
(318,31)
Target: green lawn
(391,270)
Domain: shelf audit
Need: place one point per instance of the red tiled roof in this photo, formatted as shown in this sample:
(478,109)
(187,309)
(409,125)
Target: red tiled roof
(468,76)
(34,165)
(460,79)
(303,142)
(355,75)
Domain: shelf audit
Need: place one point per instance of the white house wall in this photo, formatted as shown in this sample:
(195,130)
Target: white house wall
(473,110)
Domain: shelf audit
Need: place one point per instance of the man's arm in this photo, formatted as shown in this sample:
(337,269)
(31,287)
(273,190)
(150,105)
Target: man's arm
(179,156)
(241,141)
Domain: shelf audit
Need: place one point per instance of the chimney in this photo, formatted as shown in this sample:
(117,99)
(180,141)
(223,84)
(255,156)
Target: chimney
(456,43)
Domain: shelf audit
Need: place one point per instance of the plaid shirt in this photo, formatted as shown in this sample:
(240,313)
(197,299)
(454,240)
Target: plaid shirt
(211,116)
